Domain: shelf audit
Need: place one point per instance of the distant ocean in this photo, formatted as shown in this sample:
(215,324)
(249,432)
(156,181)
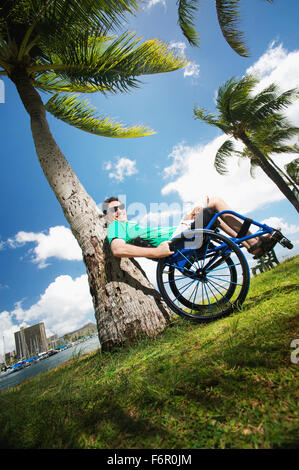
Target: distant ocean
(15,378)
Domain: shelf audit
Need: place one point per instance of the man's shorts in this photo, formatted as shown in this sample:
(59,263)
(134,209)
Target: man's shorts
(200,222)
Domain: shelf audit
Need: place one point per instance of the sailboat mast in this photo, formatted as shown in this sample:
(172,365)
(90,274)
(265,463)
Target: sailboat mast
(4,361)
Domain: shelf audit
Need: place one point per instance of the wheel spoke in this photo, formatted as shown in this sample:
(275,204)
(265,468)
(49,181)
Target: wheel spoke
(223,296)
(225,280)
(217,300)
(231,266)
(203,262)
(195,290)
(181,293)
(208,298)
(197,260)
(221,269)
(184,257)
(179,268)
(174,280)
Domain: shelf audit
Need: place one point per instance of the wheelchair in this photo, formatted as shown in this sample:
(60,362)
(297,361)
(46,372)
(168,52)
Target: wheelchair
(208,277)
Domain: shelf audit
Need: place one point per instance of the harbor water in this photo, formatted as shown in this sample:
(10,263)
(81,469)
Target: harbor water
(40,367)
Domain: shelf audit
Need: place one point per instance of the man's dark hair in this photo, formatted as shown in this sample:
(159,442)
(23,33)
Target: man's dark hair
(107,201)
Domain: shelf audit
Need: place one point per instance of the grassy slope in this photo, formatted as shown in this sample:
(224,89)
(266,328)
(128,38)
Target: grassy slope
(229,384)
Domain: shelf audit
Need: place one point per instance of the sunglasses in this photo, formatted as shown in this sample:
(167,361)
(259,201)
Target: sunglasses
(114,209)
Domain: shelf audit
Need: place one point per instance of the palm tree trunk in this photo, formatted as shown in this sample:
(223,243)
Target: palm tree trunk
(270,171)
(125,303)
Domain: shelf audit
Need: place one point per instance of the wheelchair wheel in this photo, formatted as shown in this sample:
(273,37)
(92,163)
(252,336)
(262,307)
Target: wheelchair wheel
(206,283)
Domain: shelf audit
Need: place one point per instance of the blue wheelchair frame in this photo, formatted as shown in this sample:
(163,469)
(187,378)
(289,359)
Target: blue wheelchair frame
(264,228)
(209,253)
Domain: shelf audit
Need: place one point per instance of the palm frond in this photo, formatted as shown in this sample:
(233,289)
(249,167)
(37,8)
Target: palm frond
(254,103)
(32,23)
(113,65)
(233,98)
(285,149)
(277,103)
(88,14)
(241,99)
(208,118)
(186,11)
(272,136)
(81,114)
(51,82)
(24,48)
(226,150)
(228,18)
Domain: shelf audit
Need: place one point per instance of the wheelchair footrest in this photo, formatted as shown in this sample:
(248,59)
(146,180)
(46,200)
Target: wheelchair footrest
(282,240)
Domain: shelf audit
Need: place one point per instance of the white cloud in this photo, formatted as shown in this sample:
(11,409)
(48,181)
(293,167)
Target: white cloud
(59,243)
(190,70)
(178,161)
(122,168)
(269,61)
(64,306)
(179,46)
(107,166)
(193,167)
(153,3)
(198,178)
(279,66)
(278,222)
(7,328)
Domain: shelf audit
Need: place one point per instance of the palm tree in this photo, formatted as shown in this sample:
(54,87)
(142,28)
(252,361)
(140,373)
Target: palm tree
(270,137)
(228,19)
(292,169)
(256,121)
(63,46)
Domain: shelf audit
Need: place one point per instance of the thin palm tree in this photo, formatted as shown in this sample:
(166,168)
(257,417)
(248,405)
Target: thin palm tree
(228,14)
(256,121)
(292,170)
(62,47)
(292,175)
(270,137)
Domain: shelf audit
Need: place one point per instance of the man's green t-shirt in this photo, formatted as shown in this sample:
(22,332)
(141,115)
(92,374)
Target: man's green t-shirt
(134,234)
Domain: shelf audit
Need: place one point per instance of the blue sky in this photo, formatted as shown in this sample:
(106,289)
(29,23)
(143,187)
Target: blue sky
(42,276)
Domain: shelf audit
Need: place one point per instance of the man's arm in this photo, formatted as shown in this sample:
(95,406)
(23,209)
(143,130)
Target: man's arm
(121,249)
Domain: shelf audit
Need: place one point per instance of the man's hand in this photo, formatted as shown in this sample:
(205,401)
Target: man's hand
(162,251)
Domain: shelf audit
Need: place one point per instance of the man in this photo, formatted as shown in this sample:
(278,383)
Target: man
(130,240)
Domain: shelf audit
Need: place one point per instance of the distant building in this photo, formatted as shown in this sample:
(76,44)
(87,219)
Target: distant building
(85,330)
(9,357)
(31,340)
(54,341)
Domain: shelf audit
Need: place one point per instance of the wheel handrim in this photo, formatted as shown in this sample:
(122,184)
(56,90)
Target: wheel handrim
(213,285)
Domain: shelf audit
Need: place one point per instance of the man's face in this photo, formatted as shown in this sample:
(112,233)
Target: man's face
(116,213)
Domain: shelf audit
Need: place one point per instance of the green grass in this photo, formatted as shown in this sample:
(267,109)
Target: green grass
(228,384)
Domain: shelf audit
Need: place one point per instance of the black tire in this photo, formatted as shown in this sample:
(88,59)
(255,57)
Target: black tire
(203,285)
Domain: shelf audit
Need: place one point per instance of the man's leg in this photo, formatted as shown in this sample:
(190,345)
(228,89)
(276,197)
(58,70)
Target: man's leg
(229,223)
